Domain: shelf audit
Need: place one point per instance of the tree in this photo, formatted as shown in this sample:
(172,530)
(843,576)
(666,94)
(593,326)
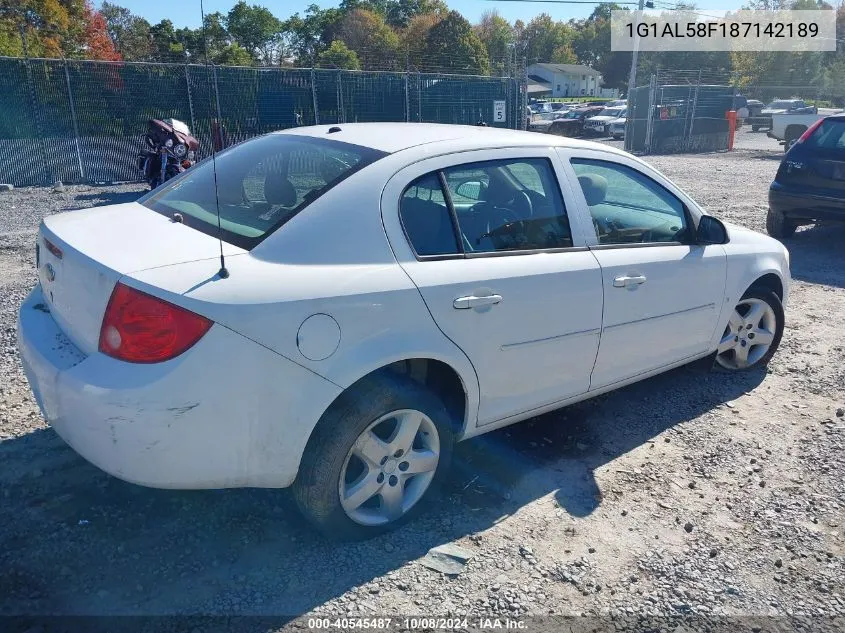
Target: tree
(130,33)
(50,28)
(591,46)
(232,55)
(338,55)
(166,46)
(497,35)
(413,38)
(98,44)
(307,36)
(451,46)
(399,13)
(375,43)
(257,30)
(543,36)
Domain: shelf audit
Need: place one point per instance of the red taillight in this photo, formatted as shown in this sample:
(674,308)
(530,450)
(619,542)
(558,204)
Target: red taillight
(57,252)
(140,328)
(810,131)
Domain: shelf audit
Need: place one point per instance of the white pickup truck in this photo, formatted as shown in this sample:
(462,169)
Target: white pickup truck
(788,128)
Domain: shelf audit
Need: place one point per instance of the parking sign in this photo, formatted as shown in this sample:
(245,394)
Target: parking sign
(499,114)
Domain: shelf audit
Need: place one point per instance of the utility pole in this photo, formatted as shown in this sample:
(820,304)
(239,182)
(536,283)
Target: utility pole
(632,77)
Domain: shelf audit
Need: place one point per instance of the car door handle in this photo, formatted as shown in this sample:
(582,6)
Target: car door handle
(464,303)
(626,282)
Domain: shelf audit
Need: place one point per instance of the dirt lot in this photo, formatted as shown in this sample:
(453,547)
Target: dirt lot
(690,493)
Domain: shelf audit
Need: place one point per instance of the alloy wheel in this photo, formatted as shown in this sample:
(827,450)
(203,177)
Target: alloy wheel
(389,467)
(749,334)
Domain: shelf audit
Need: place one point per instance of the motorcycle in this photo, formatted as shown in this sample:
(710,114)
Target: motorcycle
(169,150)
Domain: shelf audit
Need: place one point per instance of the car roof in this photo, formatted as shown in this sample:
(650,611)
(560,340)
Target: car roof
(395,137)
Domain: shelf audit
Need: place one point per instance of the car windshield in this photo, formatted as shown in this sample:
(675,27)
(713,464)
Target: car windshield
(829,135)
(782,105)
(572,114)
(614,112)
(260,185)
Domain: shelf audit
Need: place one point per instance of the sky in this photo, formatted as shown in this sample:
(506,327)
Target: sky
(187,12)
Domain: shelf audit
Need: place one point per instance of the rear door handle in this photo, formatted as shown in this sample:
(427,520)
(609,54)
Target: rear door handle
(626,282)
(464,303)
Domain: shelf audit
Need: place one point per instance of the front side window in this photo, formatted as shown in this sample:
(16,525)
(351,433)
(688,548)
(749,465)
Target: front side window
(628,206)
(503,205)
(260,185)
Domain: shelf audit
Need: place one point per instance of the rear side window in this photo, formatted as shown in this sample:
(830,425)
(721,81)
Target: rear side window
(261,184)
(829,135)
(426,218)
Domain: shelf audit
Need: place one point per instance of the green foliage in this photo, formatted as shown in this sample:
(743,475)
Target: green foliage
(452,47)
(255,29)
(497,35)
(373,41)
(338,55)
(130,33)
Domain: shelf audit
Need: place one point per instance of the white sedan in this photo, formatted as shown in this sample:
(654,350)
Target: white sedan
(385,290)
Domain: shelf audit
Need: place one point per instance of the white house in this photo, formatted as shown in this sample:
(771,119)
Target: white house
(566,80)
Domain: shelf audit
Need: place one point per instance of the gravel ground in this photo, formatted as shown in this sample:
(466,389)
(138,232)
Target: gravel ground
(693,493)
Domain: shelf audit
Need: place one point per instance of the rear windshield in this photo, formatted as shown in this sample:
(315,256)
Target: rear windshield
(829,135)
(261,184)
(784,105)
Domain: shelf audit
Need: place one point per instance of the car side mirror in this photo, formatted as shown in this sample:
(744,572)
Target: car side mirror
(471,190)
(711,231)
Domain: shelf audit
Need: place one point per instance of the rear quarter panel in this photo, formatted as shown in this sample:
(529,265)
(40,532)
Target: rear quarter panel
(333,259)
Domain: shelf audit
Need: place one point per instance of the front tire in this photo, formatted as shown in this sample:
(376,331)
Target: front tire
(779,226)
(374,459)
(753,332)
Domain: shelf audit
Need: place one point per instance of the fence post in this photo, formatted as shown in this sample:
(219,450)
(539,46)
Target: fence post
(652,89)
(314,97)
(341,111)
(407,100)
(419,97)
(692,115)
(75,124)
(190,100)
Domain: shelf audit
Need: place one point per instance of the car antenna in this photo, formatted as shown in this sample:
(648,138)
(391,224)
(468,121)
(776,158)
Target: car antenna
(223,273)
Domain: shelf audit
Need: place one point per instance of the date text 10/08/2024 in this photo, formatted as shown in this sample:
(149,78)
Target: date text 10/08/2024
(416,623)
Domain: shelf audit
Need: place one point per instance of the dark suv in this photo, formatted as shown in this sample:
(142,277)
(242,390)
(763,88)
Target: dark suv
(810,182)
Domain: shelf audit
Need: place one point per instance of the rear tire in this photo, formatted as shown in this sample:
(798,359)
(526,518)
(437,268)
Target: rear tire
(779,226)
(755,128)
(342,456)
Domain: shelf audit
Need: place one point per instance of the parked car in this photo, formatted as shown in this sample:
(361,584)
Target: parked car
(617,126)
(754,118)
(572,123)
(810,183)
(541,122)
(600,123)
(788,127)
(389,289)
(780,106)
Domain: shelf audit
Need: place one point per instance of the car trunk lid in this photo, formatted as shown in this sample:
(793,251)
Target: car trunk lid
(82,254)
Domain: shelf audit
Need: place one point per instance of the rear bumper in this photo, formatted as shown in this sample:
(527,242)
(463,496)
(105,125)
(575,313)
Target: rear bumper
(805,206)
(226,413)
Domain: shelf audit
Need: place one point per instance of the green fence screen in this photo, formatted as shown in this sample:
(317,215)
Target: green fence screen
(83,121)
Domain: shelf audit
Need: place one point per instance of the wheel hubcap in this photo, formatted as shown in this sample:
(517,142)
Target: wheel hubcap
(389,467)
(749,334)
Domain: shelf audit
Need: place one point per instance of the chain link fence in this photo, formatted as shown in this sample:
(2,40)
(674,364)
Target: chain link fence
(83,121)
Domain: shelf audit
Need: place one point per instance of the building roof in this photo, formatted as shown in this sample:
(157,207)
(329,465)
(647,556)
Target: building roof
(535,85)
(570,69)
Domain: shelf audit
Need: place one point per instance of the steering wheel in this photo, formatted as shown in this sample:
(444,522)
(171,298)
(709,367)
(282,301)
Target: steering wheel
(523,206)
(669,228)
